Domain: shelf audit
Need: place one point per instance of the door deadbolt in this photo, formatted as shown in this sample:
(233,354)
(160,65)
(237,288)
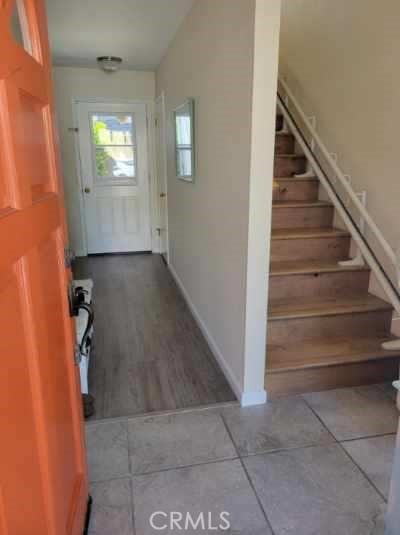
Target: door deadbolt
(87,190)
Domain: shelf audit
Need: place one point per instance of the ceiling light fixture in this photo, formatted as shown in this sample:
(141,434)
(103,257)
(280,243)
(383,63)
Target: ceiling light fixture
(109,63)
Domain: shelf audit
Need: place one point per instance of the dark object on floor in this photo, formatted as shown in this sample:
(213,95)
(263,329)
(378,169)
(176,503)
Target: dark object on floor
(88,405)
(88,513)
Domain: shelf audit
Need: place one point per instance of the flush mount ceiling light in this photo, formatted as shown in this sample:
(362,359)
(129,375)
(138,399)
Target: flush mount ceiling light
(109,63)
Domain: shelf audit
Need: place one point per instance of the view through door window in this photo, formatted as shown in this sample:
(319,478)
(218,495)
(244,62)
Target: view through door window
(113,138)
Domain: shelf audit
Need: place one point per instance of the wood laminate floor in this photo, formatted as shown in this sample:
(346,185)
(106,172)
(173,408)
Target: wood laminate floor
(149,353)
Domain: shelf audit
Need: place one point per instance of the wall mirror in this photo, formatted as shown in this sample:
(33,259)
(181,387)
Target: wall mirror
(184,141)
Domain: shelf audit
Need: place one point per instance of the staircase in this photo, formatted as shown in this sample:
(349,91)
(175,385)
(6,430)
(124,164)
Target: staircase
(324,329)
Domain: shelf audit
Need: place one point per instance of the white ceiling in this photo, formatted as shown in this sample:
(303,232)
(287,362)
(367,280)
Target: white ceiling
(139,31)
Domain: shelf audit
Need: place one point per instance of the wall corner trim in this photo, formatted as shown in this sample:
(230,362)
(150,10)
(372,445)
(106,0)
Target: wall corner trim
(249,399)
(263,111)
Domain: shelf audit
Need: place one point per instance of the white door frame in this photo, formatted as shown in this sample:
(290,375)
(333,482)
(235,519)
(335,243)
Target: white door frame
(162,174)
(153,184)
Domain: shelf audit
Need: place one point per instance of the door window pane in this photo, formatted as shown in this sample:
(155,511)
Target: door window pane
(113,142)
(112,129)
(115,162)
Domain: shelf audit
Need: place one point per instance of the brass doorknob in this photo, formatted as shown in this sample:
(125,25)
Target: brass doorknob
(87,190)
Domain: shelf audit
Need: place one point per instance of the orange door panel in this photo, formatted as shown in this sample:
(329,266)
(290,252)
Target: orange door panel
(43,482)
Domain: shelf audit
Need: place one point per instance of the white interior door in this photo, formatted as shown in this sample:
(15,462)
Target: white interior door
(162,175)
(115,178)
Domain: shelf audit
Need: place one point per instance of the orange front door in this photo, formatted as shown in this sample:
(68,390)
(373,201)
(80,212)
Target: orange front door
(43,484)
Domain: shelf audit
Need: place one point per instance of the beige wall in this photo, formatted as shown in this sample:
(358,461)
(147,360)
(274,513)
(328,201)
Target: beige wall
(70,83)
(341,58)
(211,60)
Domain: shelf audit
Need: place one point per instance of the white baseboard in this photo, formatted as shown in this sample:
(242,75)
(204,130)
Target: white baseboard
(210,340)
(253,398)
(246,398)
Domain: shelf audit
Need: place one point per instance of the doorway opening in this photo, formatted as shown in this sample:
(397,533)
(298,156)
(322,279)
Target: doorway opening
(114,170)
(146,352)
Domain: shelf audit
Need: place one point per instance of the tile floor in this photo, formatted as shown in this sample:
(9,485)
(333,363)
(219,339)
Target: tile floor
(317,464)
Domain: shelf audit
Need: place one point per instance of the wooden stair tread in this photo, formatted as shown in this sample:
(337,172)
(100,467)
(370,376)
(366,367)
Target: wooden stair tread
(296,179)
(325,352)
(304,267)
(284,134)
(301,204)
(292,155)
(281,309)
(304,233)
